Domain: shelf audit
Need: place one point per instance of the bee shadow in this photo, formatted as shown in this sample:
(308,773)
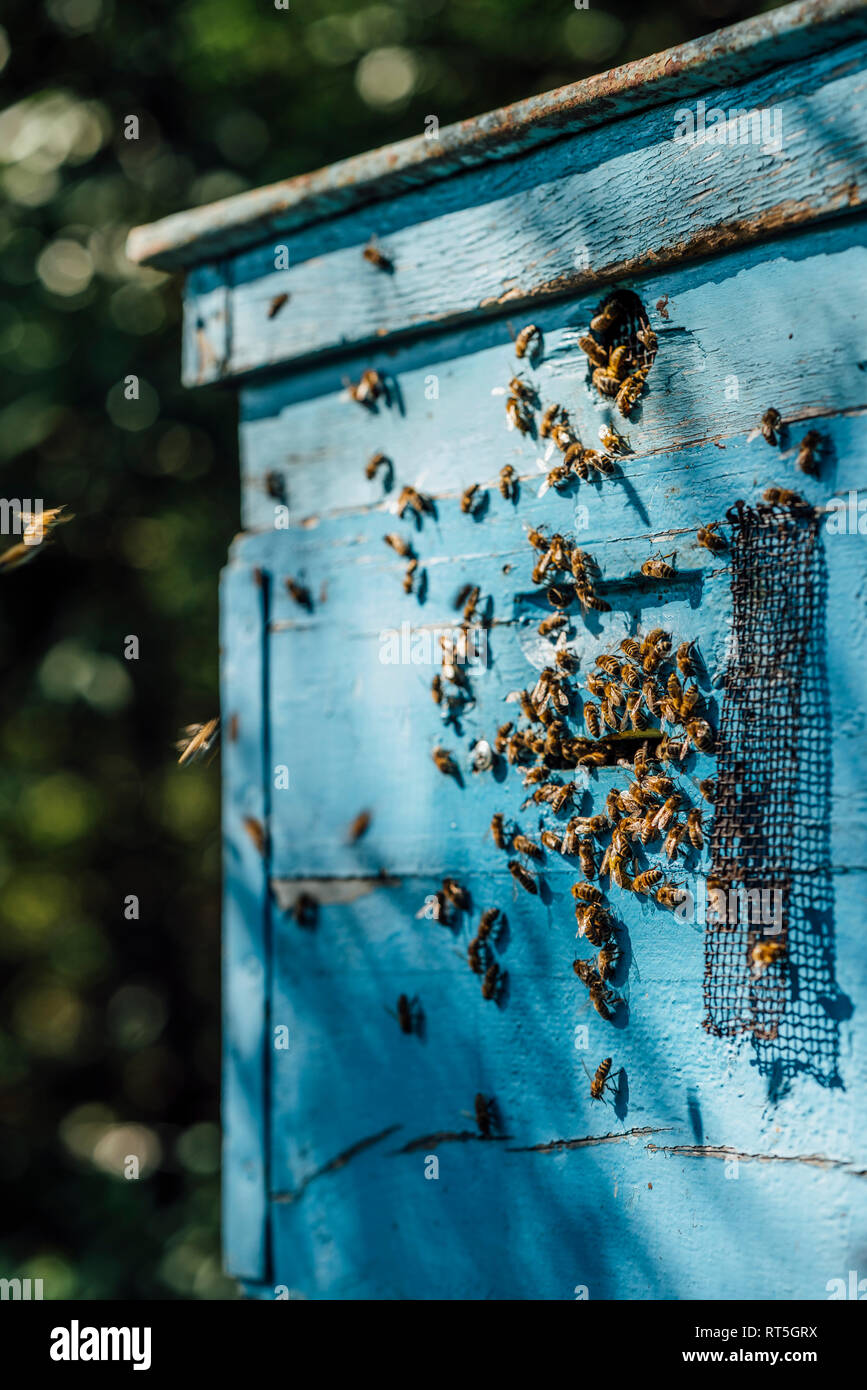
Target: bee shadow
(621,1095)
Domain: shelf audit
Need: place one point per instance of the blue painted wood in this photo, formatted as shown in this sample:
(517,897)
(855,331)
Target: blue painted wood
(246,914)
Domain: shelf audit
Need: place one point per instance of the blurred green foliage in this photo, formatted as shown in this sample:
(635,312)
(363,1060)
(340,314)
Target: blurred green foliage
(109,1028)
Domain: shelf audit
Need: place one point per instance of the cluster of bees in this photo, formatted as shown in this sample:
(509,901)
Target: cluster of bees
(616,369)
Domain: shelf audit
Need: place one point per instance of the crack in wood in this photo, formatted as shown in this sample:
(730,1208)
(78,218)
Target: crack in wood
(590,1140)
(334,1164)
(725,1151)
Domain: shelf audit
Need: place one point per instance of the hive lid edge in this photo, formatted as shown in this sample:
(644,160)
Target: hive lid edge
(198,235)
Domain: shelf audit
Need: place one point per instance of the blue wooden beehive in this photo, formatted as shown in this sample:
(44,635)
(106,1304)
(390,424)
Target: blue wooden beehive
(723,185)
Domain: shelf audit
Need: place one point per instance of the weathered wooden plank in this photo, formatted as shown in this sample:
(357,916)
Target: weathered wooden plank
(246,912)
(783,321)
(720,59)
(567,220)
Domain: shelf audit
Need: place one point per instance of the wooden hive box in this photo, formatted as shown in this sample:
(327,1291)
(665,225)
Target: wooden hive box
(714,1170)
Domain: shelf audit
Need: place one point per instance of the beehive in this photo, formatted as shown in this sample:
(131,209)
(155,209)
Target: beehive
(720,1167)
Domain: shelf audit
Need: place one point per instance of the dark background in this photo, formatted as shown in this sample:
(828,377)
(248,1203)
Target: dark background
(109,1028)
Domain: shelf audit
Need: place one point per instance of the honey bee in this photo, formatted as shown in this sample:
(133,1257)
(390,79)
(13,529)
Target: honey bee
(376,462)
(782,497)
(771,422)
(562,796)
(412,500)
(446,763)
(765,954)
(486,924)
(659,785)
(484,1115)
(570,837)
(685,659)
(566,660)
(502,737)
(491,982)
(630,391)
(498,832)
(601,462)
(508,483)
(300,594)
(605,382)
(644,882)
(276,305)
(669,895)
(608,316)
(409,575)
(549,419)
(368,389)
(707,536)
(404,1014)
(562,435)
(587,856)
(359,827)
(606,960)
(594,923)
(551,841)
(586,893)
(375,257)
(469,499)
(807,450)
(476,956)
(689,702)
(528,342)
(700,734)
(398,544)
(456,894)
(631,648)
(538,539)
(471,603)
(197,741)
(630,677)
(656,638)
(257,833)
(600,997)
(657,569)
(674,688)
(635,714)
(648,339)
(560,595)
(591,719)
(597,1083)
(667,812)
(674,839)
(612,440)
(617,361)
(595,351)
(523,876)
(575,459)
(522,845)
(707,787)
(518,416)
(589,599)
(595,684)
(608,663)
(694,829)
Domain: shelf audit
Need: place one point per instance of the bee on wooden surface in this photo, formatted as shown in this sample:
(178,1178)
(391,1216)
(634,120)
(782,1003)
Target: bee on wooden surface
(618,360)
(575,459)
(469,499)
(700,734)
(694,828)
(476,956)
(524,390)
(586,893)
(557,477)
(374,463)
(398,544)
(601,462)
(648,339)
(629,393)
(630,677)
(591,719)
(456,894)
(595,684)
(667,811)
(588,598)
(612,440)
(566,660)
(409,575)
(614,695)
(782,497)
(562,797)
(502,737)
(587,856)
(487,923)
(686,663)
(492,981)
(593,757)
(485,1115)
(771,422)
(656,640)
(674,839)
(300,594)
(652,660)
(594,924)
(523,876)
(377,258)
(471,603)
(657,569)
(560,595)
(548,625)
(276,305)
(651,696)
(522,845)
(690,702)
(498,831)
(707,536)
(359,827)
(670,895)
(508,483)
(635,714)
(707,787)
(518,416)
(529,342)
(368,389)
(608,663)
(765,954)
(669,750)
(608,316)
(807,451)
(593,825)
(612,805)
(404,1014)
(659,785)
(411,500)
(631,648)
(197,741)
(446,763)
(605,382)
(644,882)
(551,841)
(599,1079)
(597,354)
(600,997)
(619,869)
(570,837)
(674,688)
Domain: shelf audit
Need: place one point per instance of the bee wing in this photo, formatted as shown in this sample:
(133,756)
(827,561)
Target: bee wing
(754,434)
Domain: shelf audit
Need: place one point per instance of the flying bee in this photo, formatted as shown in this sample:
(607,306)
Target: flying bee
(765,954)
(276,305)
(502,737)
(456,894)
(694,829)
(522,845)
(492,981)
(445,763)
(197,741)
(412,500)
(523,876)
(608,316)
(629,393)
(476,956)
(771,422)
(518,416)
(587,856)
(657,569)
(670,895)
(674,839)
(595,351)
(644,882)
(368,389)
(508,483)
(300,594)
(469,499)
(599,1080)
(374,463)
(707,536)
(591,719)
(359,827)
(782,497)
(398,544)
(498,832)
(485,1115)
(686,663)
(707,787)
(487,922)
(549,419)
(375,257)
(528,342)
(605,382)
(551,841)
(807,450)
(700,734)
(586,893)
(617,361)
